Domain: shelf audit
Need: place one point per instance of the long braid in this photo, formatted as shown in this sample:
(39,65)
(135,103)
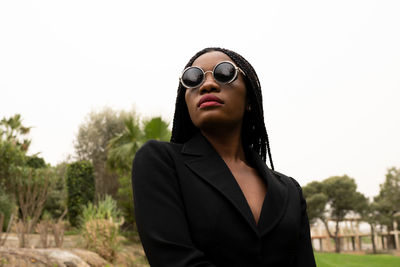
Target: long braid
(254,132)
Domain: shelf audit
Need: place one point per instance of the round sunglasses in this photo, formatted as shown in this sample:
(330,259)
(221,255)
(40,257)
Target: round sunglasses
(224,72)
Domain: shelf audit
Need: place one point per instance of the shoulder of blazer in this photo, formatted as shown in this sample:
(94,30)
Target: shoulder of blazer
(289,180)
(160,148)
(156,151)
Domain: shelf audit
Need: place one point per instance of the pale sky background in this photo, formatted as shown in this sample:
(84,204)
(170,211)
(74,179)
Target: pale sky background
(330,72)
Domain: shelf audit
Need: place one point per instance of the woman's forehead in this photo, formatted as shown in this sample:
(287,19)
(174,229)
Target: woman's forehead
(210,59)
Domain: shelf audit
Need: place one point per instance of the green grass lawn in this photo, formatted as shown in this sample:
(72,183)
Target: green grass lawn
(344,260)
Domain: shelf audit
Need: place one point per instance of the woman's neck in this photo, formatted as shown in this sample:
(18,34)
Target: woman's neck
(228,144)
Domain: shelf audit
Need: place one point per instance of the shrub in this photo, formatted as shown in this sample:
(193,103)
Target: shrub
(35,162)
(56,202)
(125,201)
(44,230)
(10,156)
(58,232)
(7,207)
(80,186)
(31,188)
(100,228)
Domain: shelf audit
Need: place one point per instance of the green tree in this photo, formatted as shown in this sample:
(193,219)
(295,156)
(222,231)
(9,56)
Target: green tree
(10,155)
(156,129)
(12,130)
(369,213)
(56,202)
(387,203)
(316,201)
(13,147)
(333,199)
(91,143)
(122,150)
(80,186)
(35,162)
(31,188)
(7,207)
(123,147)
(342,198)
(28,180)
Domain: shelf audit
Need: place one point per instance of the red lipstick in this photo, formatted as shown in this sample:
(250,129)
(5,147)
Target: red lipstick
(209,100)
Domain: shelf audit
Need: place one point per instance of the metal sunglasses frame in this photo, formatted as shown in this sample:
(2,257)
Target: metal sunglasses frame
(237,69)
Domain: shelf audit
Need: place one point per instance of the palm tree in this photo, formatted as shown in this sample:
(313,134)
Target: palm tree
(157,129)
(12,128)
(122,148)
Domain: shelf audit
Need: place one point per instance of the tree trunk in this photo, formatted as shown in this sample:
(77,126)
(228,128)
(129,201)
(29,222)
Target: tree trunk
(390,238)
(337,239)
(328,231)
(373,238)
(3,239)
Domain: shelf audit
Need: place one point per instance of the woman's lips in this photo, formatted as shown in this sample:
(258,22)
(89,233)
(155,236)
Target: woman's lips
(210,104)
(209,100)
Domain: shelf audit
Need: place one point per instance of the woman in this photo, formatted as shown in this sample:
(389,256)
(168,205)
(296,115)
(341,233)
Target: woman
(208,198)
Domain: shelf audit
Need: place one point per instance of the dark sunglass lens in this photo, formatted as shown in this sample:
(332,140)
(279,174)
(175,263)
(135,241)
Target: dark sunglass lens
(224,72)
(192,77)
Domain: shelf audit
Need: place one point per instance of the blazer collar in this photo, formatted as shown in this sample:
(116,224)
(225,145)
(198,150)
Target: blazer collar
(210,167)
(198,145)
(276,199)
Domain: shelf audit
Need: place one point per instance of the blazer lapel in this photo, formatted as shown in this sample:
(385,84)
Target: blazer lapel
(211,168)
(276,199)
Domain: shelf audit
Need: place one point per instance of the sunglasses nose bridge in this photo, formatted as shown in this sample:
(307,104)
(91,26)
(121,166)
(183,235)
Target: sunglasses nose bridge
(209,71)
(209,83)
(205,75)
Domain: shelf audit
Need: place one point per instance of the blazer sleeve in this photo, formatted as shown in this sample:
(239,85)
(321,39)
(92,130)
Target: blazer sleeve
(305,253)
(159,211)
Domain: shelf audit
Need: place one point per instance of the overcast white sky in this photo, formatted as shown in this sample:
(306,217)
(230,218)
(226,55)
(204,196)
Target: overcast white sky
(330,72)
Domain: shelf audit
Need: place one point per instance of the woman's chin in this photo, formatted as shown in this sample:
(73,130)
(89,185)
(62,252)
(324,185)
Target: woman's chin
(212,122)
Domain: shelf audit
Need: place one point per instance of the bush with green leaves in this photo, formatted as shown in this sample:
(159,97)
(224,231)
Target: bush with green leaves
(35,162)
(56,202)
(13,147)
(10,156)
(7,207)
(80,188)
(106,208)
(31,188)
(125,201)
(100,225)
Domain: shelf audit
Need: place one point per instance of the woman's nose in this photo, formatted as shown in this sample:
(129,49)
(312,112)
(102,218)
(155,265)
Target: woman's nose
(209,84)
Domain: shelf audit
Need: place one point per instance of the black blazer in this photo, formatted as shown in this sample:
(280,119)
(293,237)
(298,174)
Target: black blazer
(190,211)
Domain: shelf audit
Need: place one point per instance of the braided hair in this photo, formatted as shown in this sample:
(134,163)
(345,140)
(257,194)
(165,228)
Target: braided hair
(254,133)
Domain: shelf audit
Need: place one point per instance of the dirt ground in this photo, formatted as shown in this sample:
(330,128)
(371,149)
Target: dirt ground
(131,254)
(70,241)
